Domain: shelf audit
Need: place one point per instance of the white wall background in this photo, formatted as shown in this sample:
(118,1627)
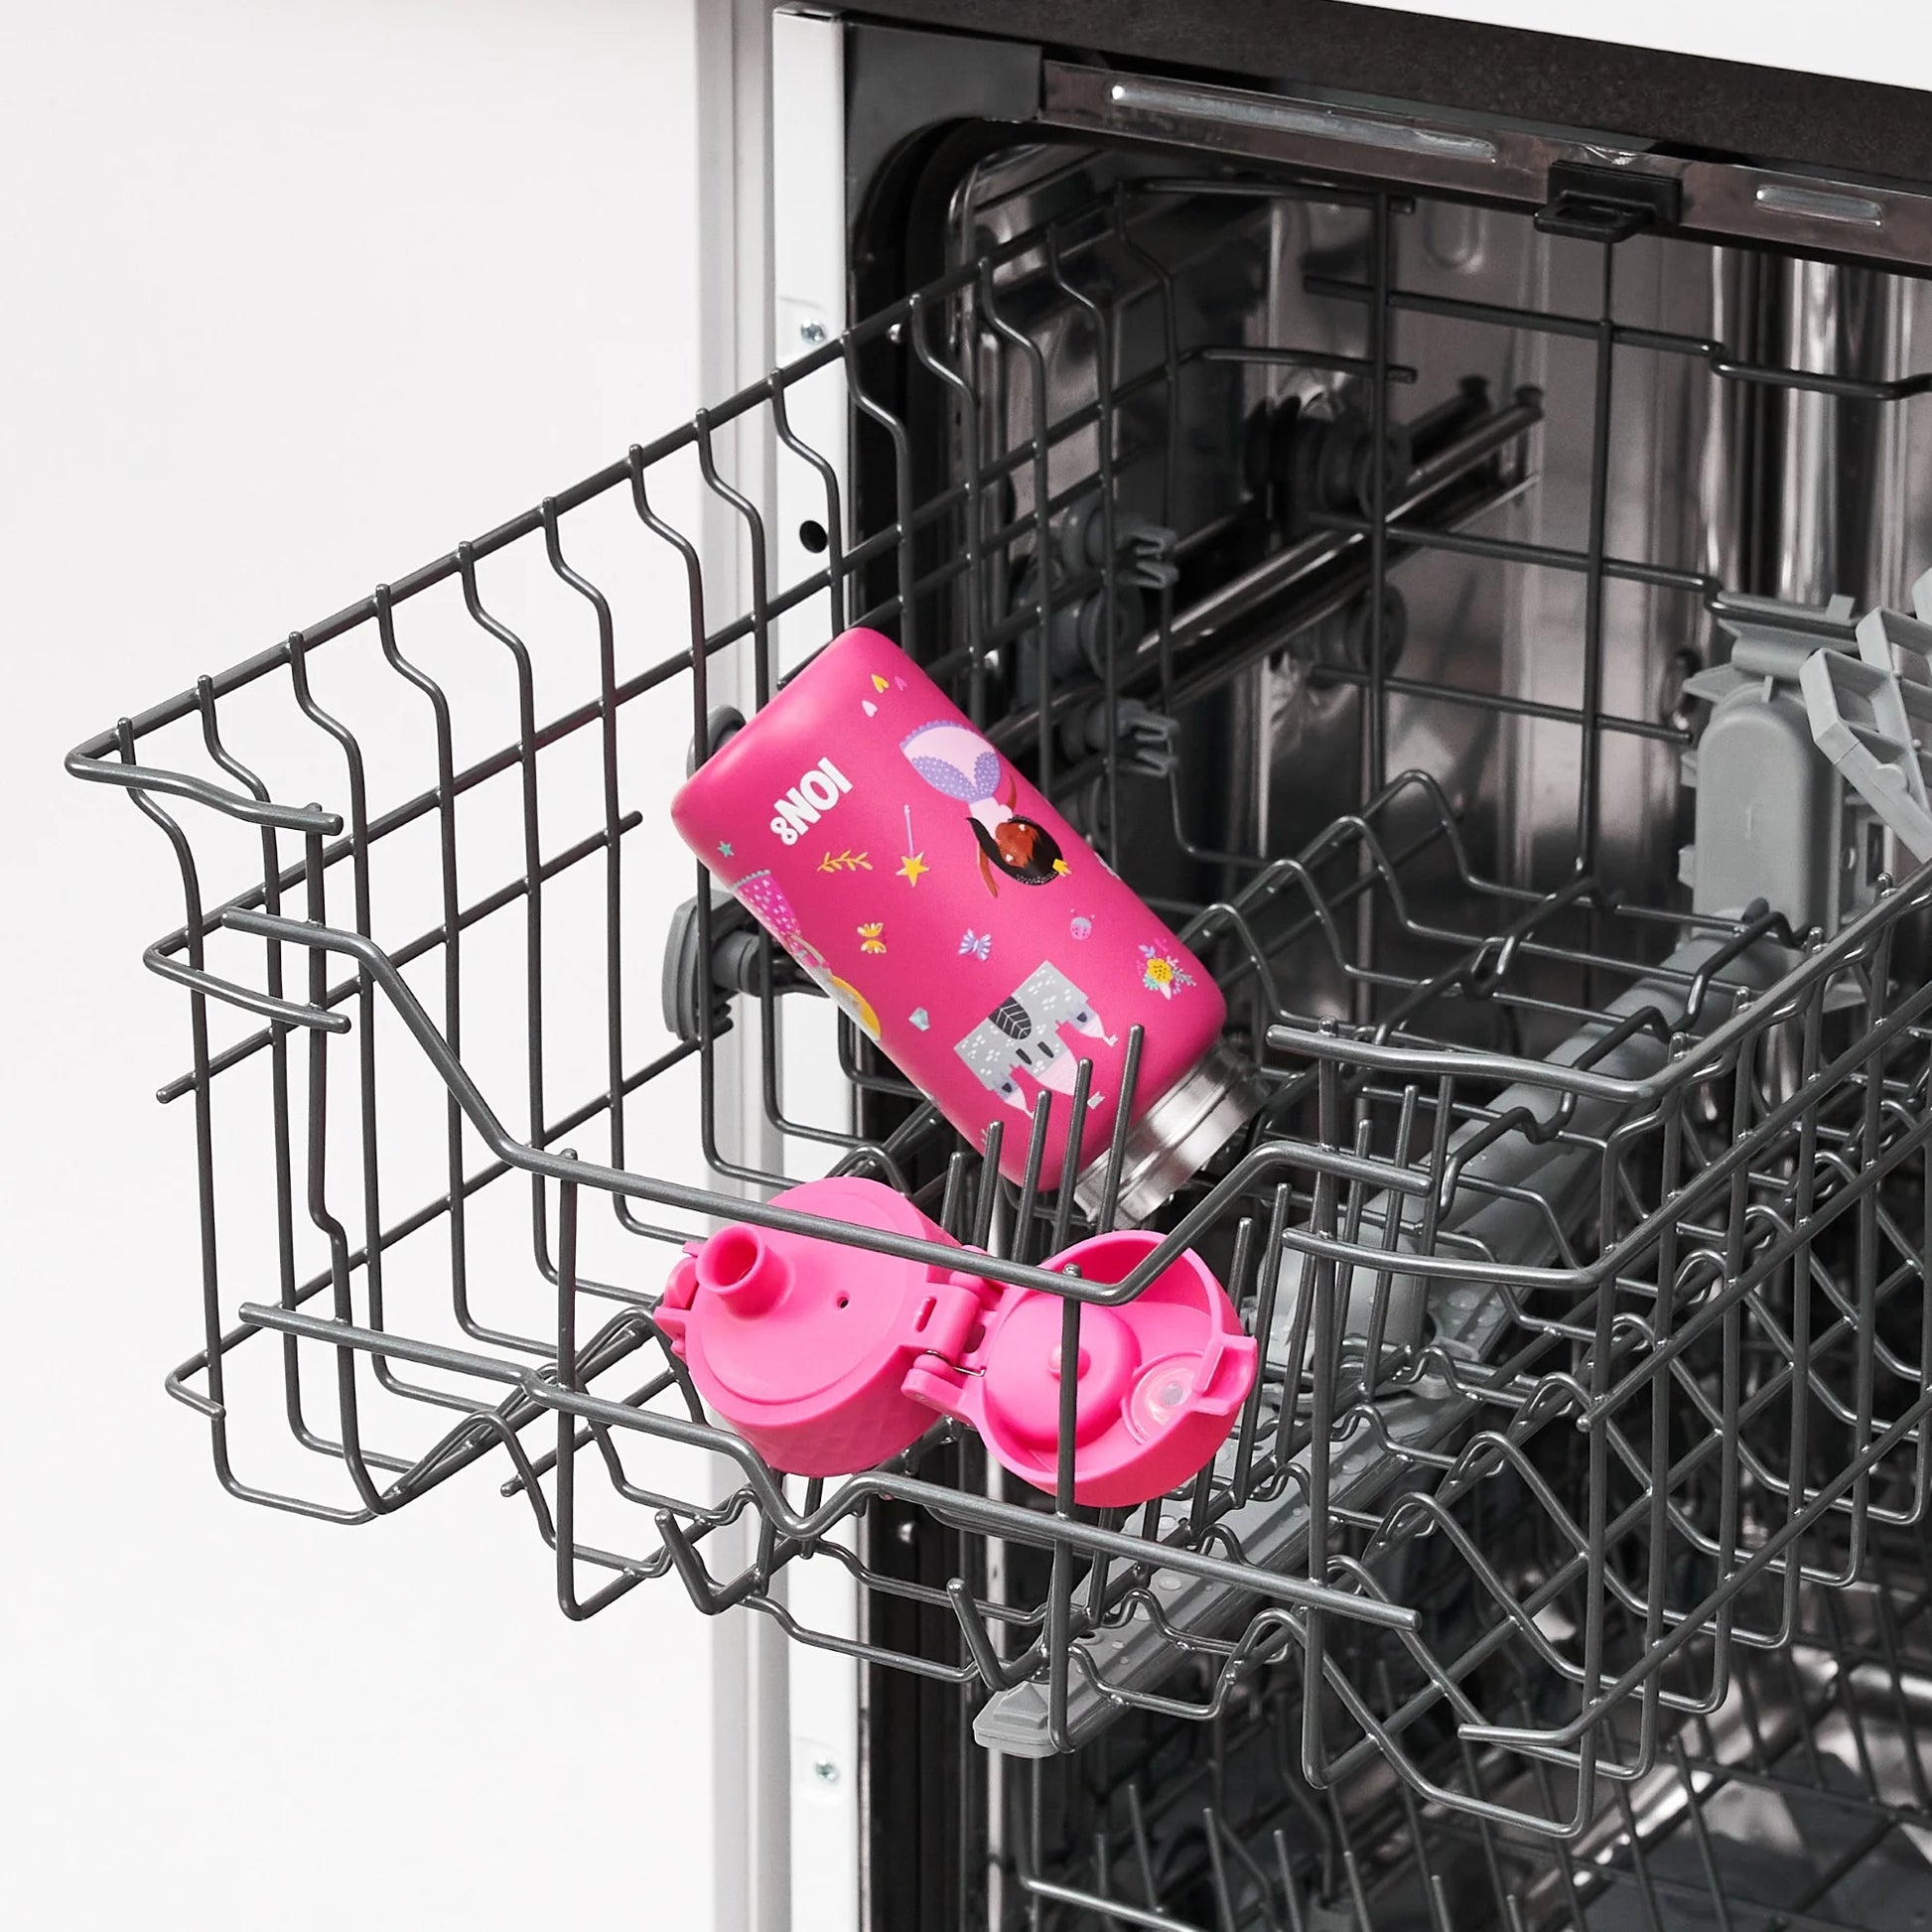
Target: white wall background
(1888,41)
(296,295)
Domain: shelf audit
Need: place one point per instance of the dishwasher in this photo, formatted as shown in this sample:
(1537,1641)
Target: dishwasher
(1473,578)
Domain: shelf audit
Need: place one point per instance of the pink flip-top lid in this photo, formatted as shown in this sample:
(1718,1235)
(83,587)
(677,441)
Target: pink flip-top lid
(802,1344)
(1161,1378)
(829,1358)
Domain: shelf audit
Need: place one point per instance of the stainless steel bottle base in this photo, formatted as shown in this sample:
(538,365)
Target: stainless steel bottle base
(1198,1116)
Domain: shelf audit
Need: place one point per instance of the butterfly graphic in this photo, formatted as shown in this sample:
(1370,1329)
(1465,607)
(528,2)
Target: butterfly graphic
(978,944)
(870,939)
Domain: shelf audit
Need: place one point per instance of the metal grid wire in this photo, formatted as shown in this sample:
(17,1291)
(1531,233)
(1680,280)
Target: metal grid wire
(1529,1513)
(1796,1804)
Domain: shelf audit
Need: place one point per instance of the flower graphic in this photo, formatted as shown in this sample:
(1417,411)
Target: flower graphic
(1162,973)
(870,939)
(978,944)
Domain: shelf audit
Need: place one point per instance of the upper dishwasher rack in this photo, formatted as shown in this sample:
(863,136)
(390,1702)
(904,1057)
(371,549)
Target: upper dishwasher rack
(1539,1531)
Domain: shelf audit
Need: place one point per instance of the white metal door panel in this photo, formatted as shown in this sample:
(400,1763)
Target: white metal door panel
(808,308)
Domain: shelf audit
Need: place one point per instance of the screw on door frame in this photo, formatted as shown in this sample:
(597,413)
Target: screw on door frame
(811,333)
(825,1770)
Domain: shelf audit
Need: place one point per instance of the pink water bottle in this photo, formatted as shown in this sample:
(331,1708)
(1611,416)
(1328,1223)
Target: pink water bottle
(963,924)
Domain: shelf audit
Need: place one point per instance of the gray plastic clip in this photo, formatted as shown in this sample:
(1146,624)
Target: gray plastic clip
(1871,716)
(1146,737)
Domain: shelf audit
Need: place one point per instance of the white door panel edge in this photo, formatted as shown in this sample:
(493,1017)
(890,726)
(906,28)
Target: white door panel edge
(808,309)
(1855,40)
(751,1850)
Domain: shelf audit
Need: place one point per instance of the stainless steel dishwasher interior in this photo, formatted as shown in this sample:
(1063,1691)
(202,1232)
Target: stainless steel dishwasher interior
(1248,629)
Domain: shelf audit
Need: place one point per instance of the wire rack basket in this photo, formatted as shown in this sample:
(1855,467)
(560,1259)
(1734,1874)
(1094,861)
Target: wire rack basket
(1796,1801)
(1590,1369)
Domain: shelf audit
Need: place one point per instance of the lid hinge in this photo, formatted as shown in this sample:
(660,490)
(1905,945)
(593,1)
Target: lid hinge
(947,1312)
(1594,202)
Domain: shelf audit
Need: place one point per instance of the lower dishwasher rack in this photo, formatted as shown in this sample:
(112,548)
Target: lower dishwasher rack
(1611,1551)
(1797,1804)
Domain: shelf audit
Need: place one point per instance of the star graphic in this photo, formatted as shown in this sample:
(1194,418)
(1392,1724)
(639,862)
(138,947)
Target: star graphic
(725,847)
(911,865)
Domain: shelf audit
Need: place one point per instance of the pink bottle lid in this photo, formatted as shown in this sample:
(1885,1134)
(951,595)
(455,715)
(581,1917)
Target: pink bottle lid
(801,1344)
(828,1358)
(1161,1377)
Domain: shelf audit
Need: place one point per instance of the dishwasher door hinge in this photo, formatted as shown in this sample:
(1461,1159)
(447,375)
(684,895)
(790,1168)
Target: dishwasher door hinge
(1594,202)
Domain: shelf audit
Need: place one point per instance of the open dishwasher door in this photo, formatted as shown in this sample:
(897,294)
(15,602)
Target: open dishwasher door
(1389,538)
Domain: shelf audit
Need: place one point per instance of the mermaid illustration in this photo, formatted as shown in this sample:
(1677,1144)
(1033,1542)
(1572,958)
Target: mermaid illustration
(961,764)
